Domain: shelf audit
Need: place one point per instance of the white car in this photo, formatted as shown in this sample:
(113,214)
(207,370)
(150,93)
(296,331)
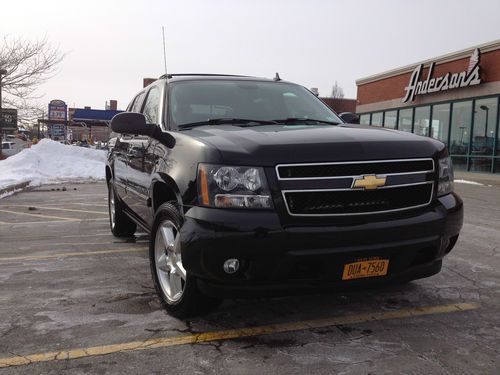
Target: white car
(9,148)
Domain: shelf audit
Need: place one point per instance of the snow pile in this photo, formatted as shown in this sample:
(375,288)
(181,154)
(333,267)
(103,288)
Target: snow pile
(50,162)
(469,182)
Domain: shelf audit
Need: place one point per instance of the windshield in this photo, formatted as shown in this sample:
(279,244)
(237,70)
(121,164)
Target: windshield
(192,102)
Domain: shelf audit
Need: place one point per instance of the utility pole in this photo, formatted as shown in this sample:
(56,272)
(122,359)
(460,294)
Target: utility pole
(2,73)
(38,123)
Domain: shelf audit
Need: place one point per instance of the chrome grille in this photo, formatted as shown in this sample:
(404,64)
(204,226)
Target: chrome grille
(409,184)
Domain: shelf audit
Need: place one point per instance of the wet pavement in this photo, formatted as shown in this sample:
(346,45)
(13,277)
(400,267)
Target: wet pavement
(69,289)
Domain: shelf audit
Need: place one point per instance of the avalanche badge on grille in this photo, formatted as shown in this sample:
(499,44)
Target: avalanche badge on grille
(369,182)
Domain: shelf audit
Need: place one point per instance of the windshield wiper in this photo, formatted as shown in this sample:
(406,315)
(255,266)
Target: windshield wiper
(218,121)
(304,120)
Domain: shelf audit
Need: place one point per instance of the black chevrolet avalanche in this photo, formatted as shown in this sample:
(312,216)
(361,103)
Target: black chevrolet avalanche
(255,186)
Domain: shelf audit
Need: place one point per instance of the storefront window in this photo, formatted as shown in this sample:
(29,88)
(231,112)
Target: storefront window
(460,127)
(364,119)
(405,119)
(440,122)
(480,164)
(377,119)
(390,119)
(459,163)
(485,114)
(422,119)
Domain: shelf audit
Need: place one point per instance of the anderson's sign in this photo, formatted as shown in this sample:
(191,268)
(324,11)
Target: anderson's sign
(449,81)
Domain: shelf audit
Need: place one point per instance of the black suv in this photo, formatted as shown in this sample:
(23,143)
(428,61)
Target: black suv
(255,186)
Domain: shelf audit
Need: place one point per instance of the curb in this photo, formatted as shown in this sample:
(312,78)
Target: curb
(14,187)
(484,178)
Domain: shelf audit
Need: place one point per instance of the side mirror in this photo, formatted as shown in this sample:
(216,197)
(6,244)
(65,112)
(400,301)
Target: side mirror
(135,123)
(349,117)
(130,123)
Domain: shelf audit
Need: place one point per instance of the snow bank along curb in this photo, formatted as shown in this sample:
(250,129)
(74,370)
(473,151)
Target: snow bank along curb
(51,162)
(461,181)
(11,189)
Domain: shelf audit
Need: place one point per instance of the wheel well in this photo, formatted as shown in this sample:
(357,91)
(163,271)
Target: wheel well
(161,194)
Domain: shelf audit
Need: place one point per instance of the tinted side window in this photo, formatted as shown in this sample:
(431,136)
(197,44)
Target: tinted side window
(131,104)
(138,102)
(152,104)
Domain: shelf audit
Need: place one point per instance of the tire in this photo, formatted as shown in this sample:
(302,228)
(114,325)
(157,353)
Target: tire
(177,289)
(121,225)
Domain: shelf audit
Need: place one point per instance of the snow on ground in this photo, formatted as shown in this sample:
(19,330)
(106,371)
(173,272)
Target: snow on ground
(468,182)
(50,162)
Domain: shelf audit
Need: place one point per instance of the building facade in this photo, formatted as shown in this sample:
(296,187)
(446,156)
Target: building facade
(454,98)
(340,105)
(87,124)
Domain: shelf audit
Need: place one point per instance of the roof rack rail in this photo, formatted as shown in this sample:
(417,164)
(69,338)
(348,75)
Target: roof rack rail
(169,75)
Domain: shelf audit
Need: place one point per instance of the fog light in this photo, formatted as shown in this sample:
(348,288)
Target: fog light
(231,266)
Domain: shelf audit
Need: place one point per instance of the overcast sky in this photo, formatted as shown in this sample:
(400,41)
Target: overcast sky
(112,45)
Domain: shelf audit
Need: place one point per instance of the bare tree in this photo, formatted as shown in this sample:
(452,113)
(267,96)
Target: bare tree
(337,91)
(28,64)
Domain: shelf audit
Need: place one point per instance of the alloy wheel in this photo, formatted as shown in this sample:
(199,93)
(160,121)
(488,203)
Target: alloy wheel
(169,269)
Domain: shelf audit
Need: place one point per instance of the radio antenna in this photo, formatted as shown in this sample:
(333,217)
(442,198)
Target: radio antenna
(164,49)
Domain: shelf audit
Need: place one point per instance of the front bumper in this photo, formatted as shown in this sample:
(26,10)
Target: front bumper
(274,258)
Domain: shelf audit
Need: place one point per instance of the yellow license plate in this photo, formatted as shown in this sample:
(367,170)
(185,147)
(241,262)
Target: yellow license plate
(365,268)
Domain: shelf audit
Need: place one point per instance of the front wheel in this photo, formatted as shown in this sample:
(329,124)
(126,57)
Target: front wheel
(177,289)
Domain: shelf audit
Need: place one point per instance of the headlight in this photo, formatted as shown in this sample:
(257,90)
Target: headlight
(445,185)
(232,187)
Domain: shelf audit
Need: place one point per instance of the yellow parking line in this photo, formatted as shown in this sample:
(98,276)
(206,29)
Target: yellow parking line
(69,204)
(233,334)
(39,215)
(61,209)
(92,204)
(80,254)
(52,221)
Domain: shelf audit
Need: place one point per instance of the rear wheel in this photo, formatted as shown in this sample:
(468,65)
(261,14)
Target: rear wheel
(177,289)
(121,225)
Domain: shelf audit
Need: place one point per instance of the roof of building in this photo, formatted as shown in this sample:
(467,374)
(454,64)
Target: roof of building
(485,47)
(83,114)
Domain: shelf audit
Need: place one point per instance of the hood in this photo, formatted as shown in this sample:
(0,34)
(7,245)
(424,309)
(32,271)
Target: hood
(272,144)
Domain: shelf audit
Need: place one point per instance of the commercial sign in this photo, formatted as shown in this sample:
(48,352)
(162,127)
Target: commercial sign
(58,115)
(56,130)
(469,77)
(58,111)
(8,119)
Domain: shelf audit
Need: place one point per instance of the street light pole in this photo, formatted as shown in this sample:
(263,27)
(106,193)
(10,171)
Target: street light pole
(38,121)
(2,73)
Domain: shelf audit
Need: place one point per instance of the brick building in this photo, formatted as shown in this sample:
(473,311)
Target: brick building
(453,98)
(341,105)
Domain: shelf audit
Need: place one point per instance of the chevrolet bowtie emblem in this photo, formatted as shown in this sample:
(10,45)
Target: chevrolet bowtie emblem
(369,182)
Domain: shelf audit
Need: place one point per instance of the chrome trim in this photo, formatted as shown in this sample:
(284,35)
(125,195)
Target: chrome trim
(137,193)
(118,183)
(351,162)
(283,192)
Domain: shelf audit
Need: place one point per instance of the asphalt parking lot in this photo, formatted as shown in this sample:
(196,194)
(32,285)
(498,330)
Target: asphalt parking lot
(76,300)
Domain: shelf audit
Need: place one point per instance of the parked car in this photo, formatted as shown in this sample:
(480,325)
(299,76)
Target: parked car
(255,186)
(83,144)
(9,148)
